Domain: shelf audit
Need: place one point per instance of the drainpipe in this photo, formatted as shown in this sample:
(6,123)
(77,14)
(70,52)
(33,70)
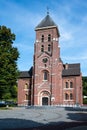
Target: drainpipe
(51,87)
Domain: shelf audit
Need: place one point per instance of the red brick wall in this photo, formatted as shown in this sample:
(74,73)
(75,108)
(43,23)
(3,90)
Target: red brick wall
(23,91)
(54,67)
(76,90)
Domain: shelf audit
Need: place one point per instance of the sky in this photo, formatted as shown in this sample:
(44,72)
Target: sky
(22,16)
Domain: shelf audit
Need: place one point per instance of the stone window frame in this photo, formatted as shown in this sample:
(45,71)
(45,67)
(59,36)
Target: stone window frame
(42,48)
(26,86)
(71,96)
(42,38)
(68,96)
(49,47)
(45,75)
(26,97)
(68,85)
(71,84)
(49,37)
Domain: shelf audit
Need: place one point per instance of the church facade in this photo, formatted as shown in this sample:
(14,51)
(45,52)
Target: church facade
(49,81)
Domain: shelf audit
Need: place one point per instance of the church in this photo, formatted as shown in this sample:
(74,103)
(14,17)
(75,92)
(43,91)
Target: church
(49,81)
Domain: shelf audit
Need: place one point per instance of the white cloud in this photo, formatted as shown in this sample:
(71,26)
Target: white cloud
(71,58)
(66,36)
(24,47)
(22,17)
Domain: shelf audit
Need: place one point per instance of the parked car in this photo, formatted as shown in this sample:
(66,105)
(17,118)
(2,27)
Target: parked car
(2,104)
(11,103)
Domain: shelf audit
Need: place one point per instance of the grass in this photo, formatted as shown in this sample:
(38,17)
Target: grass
(5,108)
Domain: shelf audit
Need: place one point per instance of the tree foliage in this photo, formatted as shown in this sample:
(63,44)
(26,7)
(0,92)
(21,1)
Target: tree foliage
(8,62)
(84,79)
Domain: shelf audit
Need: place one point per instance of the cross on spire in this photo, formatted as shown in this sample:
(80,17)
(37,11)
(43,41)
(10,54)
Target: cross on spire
(47,10)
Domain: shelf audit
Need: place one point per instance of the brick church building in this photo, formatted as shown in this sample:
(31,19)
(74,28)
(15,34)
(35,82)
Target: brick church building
(49,81)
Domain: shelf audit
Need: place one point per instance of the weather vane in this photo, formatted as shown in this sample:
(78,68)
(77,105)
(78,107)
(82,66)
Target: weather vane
(47,10)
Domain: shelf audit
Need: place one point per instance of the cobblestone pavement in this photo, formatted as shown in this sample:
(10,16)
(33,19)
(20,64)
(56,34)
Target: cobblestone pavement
(22,117)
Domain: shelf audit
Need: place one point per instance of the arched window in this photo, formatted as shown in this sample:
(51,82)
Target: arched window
(49,38)
(49,47)
(71,96)
(66,96)
(66,85)
(45,75)
(26,96)
(42,38)
(71,84)
(26,86)
(42,48)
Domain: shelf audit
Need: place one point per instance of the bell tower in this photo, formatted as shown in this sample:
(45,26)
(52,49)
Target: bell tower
(47,72)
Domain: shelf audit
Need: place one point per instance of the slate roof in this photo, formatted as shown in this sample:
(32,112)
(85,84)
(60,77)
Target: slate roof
(72,70)
(47,22)
(26,74)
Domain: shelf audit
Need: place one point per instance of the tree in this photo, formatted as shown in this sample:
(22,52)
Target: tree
(84,86)
(8,61)
(84,79)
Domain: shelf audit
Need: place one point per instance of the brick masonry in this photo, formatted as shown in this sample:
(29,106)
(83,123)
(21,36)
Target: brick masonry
(48,86)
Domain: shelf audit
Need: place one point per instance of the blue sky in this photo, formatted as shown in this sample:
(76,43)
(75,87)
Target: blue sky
(22,16)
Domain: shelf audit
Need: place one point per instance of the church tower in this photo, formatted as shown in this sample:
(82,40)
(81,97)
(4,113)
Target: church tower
(47,71)
(49,81)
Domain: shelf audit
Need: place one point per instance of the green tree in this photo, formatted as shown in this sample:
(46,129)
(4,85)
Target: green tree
(8,62)
(84,79)
(13,91)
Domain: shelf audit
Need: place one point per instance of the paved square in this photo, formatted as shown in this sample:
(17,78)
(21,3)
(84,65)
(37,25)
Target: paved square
(23,117)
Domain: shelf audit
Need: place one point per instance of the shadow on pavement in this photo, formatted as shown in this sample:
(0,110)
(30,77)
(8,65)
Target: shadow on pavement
(20,124)
(12,123)
(79,115)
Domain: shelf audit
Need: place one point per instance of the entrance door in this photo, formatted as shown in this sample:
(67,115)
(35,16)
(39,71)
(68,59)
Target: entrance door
(45,101)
